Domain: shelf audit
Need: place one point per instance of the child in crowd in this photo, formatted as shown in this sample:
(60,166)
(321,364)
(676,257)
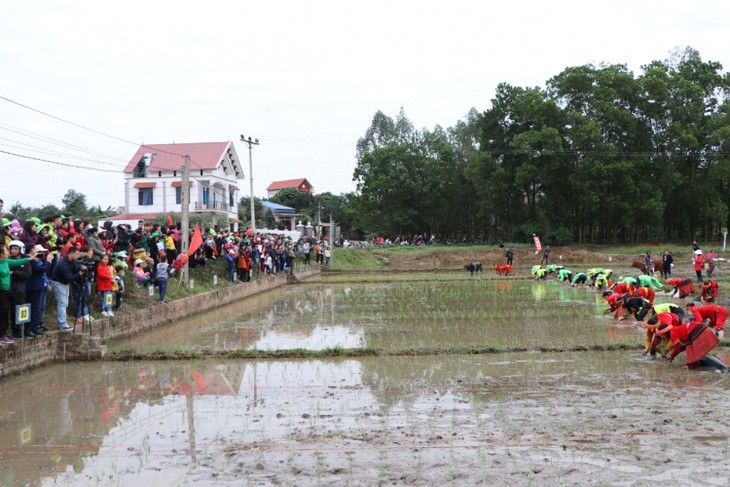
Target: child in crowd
(162,268)
(140,276)
(231,262)
(119,270)
(104,284)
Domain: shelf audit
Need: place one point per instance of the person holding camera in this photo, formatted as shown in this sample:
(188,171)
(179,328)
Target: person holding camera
(66,272)
(82,290)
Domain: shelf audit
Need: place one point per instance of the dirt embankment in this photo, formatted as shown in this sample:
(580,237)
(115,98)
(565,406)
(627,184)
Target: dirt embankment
(523,258)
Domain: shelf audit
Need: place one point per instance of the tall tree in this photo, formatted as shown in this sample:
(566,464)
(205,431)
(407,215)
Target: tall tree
(74,203)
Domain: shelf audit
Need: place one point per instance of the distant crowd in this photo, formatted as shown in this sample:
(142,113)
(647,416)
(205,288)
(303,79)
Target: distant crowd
(89,268)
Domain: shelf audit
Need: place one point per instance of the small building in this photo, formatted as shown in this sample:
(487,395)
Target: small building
(282,214)
(301,185)
(153,180)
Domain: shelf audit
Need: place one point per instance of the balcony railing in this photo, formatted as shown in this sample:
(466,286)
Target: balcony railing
(214,205)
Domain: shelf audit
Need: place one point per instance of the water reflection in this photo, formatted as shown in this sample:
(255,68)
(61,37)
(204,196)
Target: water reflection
(151,423)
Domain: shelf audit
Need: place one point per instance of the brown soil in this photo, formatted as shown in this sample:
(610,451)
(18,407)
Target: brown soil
(457,258)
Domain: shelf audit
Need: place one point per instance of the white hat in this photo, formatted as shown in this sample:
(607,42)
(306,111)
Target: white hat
(138,262)
(17,243)
(40,248)
(697,252)
(122,253)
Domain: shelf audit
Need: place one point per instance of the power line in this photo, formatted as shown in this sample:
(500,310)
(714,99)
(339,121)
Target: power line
(87,128)
(66,121)
(60,163)
(34,135)
(49,152)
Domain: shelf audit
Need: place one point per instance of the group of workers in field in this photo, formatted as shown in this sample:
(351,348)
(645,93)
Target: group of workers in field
(668,333)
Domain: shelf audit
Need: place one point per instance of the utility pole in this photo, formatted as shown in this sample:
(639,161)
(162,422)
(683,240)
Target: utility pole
(250,143)
(185,210)
(319,219)
(332,238)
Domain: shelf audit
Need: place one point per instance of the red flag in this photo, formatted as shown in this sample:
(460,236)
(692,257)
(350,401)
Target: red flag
(196,241)
(169,221)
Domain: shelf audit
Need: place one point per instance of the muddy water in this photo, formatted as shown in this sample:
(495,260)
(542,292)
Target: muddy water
(608,418)
(438,314)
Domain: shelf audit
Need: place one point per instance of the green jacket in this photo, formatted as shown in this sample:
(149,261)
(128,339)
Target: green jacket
(5,266)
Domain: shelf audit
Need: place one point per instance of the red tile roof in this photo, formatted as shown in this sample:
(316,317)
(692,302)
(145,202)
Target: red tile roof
(287,183)
(171,157)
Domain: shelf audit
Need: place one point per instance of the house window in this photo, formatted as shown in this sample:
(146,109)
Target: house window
(230,198)
(145,196)
(178,195)
(206,195)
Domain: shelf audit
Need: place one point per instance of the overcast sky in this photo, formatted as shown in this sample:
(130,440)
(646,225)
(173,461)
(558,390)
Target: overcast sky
(305,78)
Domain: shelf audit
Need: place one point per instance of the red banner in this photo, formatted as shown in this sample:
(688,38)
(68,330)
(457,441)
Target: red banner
(196,241)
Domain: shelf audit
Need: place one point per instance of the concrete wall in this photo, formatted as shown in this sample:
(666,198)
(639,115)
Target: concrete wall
(58,346)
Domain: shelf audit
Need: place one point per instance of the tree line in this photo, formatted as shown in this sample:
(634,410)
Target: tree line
(598,155)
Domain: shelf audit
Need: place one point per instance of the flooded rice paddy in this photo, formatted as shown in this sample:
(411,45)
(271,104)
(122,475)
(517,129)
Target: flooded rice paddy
(424,314)
(528,418)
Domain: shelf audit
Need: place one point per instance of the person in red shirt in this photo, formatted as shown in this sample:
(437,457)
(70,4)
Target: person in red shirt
(682,287)
(647,293)
(104,284)
(709,291)
(716,314)
(624,288)
(652,341)
(699,261)
(615,302)
(70,242)
(695,339)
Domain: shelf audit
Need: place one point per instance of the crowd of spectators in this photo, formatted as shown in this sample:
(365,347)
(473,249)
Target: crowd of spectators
(84,266)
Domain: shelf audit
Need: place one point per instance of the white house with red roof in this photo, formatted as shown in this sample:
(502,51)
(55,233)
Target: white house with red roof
(153,180)
(301,185)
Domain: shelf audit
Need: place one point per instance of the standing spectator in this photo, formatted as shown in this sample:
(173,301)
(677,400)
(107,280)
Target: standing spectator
(667,261)
(104,284)
(510,255)
(307,251)
(82,290)
(699,261)
(170,249)
(649,263)
(121,240)
(162,268)
(243,264)
(30,236)
(695,246)
(710,263)
(545,256)
(118,271)
(327,255)
(70,242)
(5,266)
(231,263)
(94,243)
(37,287)
(65,272)
(19,276)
